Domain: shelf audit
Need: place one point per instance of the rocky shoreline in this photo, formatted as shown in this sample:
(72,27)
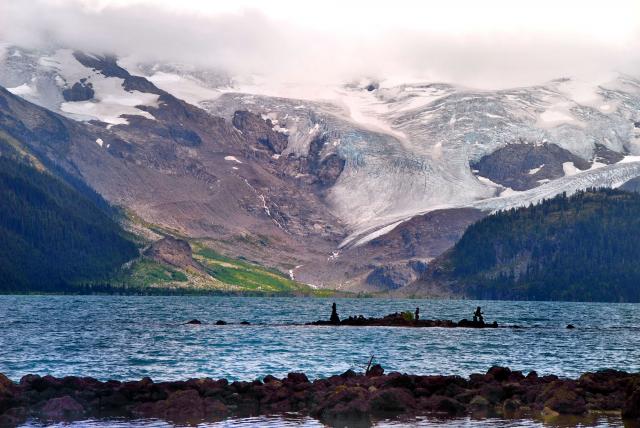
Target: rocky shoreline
(348,399)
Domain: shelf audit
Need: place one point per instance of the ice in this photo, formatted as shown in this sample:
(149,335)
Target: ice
(408,148)
(44,75)
(232,159)
(99,142)
(570,169)
(22,90)
(557,115)
(183,87)
(606,176)
(380,232)
(533,171)
(110,113)
(630,158)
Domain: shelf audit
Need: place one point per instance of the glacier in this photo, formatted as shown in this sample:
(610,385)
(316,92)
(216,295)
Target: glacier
(407,147)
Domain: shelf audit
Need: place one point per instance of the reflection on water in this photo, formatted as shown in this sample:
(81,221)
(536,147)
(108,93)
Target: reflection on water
(293,421)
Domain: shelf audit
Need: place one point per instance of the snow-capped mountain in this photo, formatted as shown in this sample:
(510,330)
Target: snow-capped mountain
(340,166)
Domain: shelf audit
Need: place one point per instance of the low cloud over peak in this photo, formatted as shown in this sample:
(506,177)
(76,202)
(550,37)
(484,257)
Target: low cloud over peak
(492,45)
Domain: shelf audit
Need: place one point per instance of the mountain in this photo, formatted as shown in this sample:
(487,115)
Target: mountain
(355,187)
(52,237)
(59,235)
(565,248)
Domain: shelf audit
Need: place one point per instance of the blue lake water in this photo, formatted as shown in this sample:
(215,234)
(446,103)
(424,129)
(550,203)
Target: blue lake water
(128,337)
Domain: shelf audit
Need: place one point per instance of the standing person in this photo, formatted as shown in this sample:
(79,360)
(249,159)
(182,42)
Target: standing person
(335,319)
(417,313)
(477,316)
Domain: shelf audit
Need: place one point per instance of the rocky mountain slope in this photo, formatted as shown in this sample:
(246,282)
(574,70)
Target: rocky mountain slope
(354,187)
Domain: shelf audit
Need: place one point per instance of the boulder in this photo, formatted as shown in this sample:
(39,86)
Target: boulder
(296,378)
(174,252)
(270,379)
(375,371)
(479,404)
(5,381)
(566,401)
(348,374)
(180,406)
(215,409)
(345,406)
(391,401)
(500,374)
(13,417)
(447,405)
(61,408)
(511,407)
(631,407)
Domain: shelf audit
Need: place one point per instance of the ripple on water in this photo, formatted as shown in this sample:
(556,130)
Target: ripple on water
(306,422)
(128,337)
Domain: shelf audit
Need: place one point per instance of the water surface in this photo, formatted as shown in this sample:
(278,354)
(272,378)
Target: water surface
(128,337)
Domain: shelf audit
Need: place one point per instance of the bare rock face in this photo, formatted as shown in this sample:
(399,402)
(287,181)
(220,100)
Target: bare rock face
(80,91)
(321,167)
(606,156)
(525,166)
(175,252)
(391,277)
(260,132)
(389,262)
(327,167)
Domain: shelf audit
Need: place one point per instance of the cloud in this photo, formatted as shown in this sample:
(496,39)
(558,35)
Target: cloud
(492,45)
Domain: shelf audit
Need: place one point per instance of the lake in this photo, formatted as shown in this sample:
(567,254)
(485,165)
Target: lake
(128,337)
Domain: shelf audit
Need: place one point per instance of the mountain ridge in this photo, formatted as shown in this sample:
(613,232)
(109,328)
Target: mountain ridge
(298,183)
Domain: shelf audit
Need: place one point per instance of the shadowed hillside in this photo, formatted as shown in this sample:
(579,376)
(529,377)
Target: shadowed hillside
(582,247)
(52,236)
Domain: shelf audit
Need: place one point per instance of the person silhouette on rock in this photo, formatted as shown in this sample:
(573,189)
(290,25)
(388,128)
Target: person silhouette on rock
(334,319)
(477,315)
(417,314)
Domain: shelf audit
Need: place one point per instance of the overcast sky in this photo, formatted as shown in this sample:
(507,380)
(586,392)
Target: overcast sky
(482,44)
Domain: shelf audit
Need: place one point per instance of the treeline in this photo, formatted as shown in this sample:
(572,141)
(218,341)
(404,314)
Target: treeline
(51,235)
(584,247)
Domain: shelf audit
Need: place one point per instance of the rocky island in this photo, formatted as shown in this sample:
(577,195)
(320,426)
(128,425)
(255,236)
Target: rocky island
(403,319)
